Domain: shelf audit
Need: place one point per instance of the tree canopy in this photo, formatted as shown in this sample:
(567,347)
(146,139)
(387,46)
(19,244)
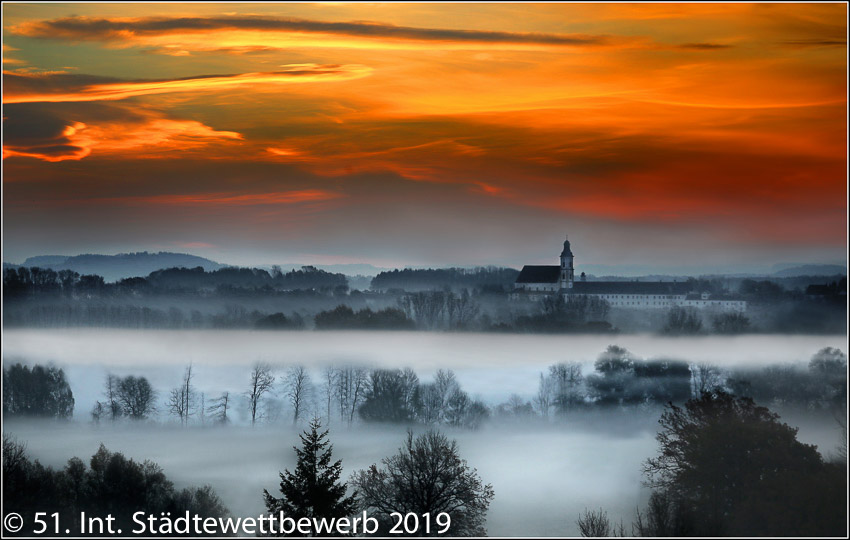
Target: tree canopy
(314,490)
(427,475)
(739,470)
(37,391)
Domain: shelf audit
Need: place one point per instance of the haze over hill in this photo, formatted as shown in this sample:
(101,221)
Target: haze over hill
(140,264)
(122,265)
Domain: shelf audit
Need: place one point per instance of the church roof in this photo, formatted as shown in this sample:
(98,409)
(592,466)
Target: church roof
(539,274)
(630,287)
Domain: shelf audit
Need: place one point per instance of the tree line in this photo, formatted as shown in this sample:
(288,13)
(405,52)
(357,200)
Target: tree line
(31,282)
(415,280)
(110,484)
(346,394)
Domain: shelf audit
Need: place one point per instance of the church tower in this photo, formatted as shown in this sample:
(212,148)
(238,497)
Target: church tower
(566,279)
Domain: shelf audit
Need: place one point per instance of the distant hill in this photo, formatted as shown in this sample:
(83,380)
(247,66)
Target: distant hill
(123,265)
(45,261)
(812,270)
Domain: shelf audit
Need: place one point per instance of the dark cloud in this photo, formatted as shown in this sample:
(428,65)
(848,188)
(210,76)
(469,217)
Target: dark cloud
(15,84)
(107,29)
(703,46)
(43,125)
(55,87)
(32,130)
(815,43)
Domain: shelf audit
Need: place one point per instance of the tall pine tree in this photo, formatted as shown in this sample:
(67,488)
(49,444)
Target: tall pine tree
(314,489)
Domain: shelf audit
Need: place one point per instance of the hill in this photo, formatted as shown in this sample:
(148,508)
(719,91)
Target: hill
(122,265)
(812,270)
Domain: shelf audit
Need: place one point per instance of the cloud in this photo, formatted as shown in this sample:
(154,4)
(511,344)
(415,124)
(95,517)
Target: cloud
(803,43)
(211,201)
(122,29)
(63,87)
(61,132)
(703,46)
(236,199)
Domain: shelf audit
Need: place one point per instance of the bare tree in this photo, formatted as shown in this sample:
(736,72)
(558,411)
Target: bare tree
(110,390)
(136,396)
(430,404)
(461,309)
(182,399)
(705,377)
(411,386)
(202,410)
(358,387)
(425,307)
(177,404)
(297,383)
(427,475)
(594,524)
(545,395)
(261,382)
(97,412)
(218,409)
(445,384)
(331,375)
(567,383)
(350,387)
(457,408)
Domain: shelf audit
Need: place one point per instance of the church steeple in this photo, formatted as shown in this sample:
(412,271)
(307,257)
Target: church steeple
(567,274)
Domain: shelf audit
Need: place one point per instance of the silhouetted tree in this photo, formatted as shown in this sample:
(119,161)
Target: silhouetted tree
(218,409)
(351,387)
(112,484)
(386,397)
(136,396)
(738,470)
(427,475)
(313,490)
(596,524)
(298,390)
(260,383)
(682,321)
(567,382)
(110,392)
(181,401)
(705,377)
(731,323)
(665,515)
(36,391)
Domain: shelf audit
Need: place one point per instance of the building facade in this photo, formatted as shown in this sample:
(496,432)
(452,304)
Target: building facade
(534,282)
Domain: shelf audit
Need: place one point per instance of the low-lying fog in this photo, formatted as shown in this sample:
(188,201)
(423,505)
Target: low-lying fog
(490,367)
(543,475)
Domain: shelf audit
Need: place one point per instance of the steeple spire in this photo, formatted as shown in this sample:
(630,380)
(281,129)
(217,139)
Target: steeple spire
(566,279)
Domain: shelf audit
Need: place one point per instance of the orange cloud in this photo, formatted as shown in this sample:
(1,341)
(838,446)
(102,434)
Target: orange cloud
(705,115)
(285,32)
(234,199)
(21,92)
(211,201)
(151,137)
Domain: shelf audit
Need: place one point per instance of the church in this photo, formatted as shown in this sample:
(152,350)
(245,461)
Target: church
(534,282)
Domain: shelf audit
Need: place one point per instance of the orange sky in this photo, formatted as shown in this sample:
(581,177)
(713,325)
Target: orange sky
(706,134)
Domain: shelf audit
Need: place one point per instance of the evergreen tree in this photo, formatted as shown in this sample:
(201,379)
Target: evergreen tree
(314,489)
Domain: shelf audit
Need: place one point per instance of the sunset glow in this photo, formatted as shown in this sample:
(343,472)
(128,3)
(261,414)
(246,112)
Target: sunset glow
(428,133)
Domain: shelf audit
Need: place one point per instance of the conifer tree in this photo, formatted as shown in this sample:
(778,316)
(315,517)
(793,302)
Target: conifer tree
(314,489)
